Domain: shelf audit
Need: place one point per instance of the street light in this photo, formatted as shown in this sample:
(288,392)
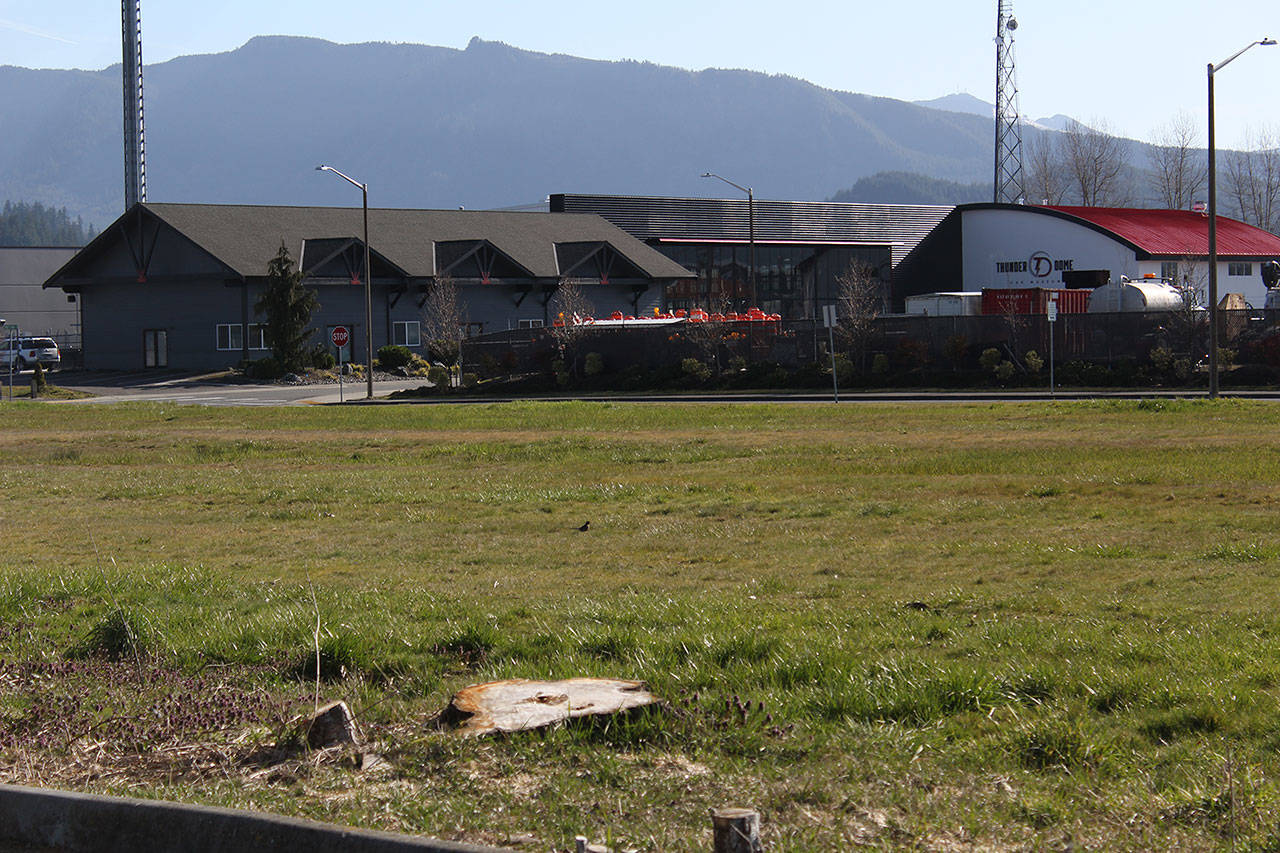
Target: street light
(1213,221)
(751,227)
(368,297)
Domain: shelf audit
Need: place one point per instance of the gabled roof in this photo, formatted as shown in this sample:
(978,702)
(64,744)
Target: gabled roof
(246,237)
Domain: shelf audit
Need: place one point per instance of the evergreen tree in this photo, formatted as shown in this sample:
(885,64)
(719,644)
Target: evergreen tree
(32,224)
(288,307)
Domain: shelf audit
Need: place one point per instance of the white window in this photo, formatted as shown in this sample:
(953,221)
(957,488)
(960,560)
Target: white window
(406,333)
(1239,269)
(529,324)
(230,336)
(258,336)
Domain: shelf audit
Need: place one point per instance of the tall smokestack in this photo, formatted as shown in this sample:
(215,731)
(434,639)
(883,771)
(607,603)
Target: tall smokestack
(135,148)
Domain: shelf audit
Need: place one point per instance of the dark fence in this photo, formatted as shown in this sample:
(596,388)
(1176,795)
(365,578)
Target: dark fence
(904,341)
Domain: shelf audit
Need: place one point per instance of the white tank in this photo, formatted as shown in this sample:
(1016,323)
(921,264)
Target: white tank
(1141,295)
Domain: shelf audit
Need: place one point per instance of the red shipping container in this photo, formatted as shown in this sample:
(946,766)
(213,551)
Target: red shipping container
(1033,300)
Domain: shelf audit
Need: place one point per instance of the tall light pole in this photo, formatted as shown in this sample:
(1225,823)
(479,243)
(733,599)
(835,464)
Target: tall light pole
(368,292)
(1213,221)
(751,227)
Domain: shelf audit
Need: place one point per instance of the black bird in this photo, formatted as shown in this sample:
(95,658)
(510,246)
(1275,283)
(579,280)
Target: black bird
(583,528)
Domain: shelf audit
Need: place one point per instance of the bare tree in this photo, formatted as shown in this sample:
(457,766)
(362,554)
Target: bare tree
(859,301)
(1095,164)
(1189,323)
(571,308)
(1045,174)
(1253,178)
(442,321)
(709,336)
(1179,168)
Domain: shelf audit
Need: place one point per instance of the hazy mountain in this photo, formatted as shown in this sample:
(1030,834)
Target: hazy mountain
(487,126)
(909,188)
(965,103)
(960,102)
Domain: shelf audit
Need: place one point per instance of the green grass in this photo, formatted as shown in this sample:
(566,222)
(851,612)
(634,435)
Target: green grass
(1007,625)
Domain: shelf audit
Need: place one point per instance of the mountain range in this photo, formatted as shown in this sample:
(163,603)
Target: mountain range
(486,126)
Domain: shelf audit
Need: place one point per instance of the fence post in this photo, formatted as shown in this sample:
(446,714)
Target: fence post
(736,831)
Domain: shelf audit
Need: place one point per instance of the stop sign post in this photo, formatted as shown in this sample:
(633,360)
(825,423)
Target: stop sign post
(340,336)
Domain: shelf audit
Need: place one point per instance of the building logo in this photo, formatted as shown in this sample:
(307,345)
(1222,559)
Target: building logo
(1041,264)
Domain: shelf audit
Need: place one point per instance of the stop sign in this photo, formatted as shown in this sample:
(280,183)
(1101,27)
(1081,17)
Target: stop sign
(340,335)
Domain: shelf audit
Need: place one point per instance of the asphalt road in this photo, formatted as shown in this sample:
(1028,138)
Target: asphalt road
(210,390)
(213,390)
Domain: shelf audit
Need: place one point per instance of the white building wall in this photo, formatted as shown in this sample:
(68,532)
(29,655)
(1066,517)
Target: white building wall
(1015,248)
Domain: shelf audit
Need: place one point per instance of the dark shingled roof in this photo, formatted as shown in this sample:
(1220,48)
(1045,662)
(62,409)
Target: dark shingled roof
(246,237)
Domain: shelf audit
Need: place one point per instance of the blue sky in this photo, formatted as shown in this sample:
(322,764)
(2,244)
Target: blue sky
(1130,64)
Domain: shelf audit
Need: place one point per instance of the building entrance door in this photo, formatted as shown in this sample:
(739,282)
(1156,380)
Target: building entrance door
(155,348)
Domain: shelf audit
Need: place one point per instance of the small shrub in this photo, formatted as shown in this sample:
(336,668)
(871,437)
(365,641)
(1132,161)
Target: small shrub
(265,368)
(844,369)
(593,365)
(1034,362)
(323,359)
(38,381)
(392,356)
(880,364)
(470,380)
(117,636)
(438,376)
(990,359)
(695,369)
(1005,370)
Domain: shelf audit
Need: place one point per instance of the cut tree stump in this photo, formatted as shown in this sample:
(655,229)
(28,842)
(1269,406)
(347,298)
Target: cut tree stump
(736,831)
(332,725)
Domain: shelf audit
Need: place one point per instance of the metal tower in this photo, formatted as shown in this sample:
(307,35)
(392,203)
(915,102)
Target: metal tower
(135,148)
(1008,175)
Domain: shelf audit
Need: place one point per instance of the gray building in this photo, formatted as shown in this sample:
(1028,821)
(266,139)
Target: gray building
(800,248)
(174,285)
(26,305)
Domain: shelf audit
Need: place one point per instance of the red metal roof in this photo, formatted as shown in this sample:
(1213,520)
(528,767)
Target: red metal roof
(1178,233)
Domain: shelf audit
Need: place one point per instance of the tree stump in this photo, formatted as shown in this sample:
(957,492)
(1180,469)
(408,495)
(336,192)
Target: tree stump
(736,831)
(332,725)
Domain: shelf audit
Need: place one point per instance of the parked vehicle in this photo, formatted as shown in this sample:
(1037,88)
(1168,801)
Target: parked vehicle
(24,353)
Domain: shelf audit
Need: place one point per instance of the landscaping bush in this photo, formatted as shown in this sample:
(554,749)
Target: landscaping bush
(265,368)
(438,376)
(392,356)
(322,359)
(696,371)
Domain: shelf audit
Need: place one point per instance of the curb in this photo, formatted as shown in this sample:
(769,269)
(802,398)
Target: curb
(70,822)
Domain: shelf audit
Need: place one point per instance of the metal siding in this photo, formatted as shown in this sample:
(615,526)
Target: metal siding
(715,219)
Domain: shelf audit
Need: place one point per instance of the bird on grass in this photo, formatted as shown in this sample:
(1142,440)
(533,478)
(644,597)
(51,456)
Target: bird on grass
(585,525)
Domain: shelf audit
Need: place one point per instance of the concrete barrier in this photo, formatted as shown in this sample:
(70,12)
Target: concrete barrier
(86,823)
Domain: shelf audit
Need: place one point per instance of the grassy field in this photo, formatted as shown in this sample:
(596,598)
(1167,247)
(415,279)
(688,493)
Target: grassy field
(943,627)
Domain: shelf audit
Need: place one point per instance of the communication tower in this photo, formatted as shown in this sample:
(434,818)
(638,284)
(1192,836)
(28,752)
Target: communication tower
(1008,175)
(135,148)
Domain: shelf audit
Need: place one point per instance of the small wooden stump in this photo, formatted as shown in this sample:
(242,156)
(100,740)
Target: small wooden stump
(332,725)
(736,831)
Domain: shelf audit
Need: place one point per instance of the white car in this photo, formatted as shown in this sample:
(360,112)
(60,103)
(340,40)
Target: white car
(23,353)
